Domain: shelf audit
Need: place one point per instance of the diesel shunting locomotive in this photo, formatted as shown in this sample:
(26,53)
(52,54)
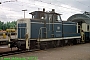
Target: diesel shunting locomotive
(45,30)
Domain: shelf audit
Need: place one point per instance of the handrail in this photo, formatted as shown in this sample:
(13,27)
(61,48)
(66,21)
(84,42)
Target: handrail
(40,31)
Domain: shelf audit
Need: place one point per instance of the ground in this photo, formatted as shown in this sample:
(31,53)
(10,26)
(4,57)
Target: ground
(75,52)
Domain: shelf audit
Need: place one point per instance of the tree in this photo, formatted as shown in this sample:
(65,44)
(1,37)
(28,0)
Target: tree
(8,25)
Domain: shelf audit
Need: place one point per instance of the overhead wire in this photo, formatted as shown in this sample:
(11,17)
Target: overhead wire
(25,5)
(42,6)
(82,3)
(9,9)
(69,5)
(46,3)
(56,5)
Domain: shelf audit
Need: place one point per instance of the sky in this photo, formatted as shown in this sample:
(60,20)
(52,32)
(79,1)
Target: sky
(11,10)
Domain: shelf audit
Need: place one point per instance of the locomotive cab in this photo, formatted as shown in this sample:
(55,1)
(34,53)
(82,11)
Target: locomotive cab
(42,15)
(38,15)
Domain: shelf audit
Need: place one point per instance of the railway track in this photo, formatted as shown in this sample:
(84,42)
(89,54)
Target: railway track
(14,52)
(3,43)
(9,51)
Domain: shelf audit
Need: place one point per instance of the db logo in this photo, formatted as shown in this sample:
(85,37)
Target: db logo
(58,28)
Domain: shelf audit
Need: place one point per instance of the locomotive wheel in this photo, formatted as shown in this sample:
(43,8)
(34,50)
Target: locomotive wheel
(21,46)
(55,43)
(43,45)
(63,42)
(33,45)
(74,42)
(70,42)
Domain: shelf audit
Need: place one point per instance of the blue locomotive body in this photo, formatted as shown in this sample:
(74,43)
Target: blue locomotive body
(70,29)
(39,30)
(47,28)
